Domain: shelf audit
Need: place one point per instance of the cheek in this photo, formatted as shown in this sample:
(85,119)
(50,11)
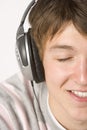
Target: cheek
(56,73)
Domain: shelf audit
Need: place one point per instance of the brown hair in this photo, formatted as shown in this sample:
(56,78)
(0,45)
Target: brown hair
(47,17)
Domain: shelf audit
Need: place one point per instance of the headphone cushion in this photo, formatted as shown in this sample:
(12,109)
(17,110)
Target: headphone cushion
(36,64)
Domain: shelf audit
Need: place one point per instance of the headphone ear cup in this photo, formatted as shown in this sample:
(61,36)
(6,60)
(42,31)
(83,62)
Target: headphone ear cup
(28,57)
(36,64)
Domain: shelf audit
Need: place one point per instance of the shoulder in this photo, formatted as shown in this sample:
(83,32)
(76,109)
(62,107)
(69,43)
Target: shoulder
(14,100)
(15,88)
(20,104)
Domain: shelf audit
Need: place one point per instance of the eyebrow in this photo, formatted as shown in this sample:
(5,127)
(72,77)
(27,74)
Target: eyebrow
(67,47)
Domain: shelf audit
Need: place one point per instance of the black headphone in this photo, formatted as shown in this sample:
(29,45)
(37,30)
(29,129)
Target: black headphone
(27,52)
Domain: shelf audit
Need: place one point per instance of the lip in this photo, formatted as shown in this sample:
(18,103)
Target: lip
(76,97)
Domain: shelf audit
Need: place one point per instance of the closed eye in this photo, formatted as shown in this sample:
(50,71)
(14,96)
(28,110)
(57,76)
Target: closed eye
(64,59)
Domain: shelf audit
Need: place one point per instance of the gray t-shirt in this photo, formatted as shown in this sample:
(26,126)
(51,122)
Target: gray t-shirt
(23,106)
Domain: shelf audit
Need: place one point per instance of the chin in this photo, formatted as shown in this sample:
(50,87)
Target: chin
(79,115)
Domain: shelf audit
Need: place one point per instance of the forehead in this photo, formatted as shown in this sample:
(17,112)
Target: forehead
(68,37)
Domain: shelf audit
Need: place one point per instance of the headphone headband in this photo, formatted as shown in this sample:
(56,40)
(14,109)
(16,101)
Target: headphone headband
(26,12)
(20,30)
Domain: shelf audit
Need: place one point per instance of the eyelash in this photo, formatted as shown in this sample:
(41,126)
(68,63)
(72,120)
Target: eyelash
(65,59)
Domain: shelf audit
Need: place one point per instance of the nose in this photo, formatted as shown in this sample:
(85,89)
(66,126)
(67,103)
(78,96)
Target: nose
(80,73)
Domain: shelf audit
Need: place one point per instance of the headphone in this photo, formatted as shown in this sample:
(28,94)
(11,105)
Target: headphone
(27,52)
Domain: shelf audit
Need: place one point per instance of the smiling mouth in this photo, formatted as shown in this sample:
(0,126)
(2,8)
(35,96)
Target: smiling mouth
(79,94)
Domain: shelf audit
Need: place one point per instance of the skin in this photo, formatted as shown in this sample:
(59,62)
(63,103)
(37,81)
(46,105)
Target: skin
(65,65)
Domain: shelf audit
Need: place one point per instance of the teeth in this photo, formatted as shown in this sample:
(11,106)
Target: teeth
(80,94)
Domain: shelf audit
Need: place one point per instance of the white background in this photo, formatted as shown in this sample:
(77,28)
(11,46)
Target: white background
(11,12)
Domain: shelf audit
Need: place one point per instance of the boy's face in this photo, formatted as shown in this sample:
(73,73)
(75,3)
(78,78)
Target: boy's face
(65,64)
